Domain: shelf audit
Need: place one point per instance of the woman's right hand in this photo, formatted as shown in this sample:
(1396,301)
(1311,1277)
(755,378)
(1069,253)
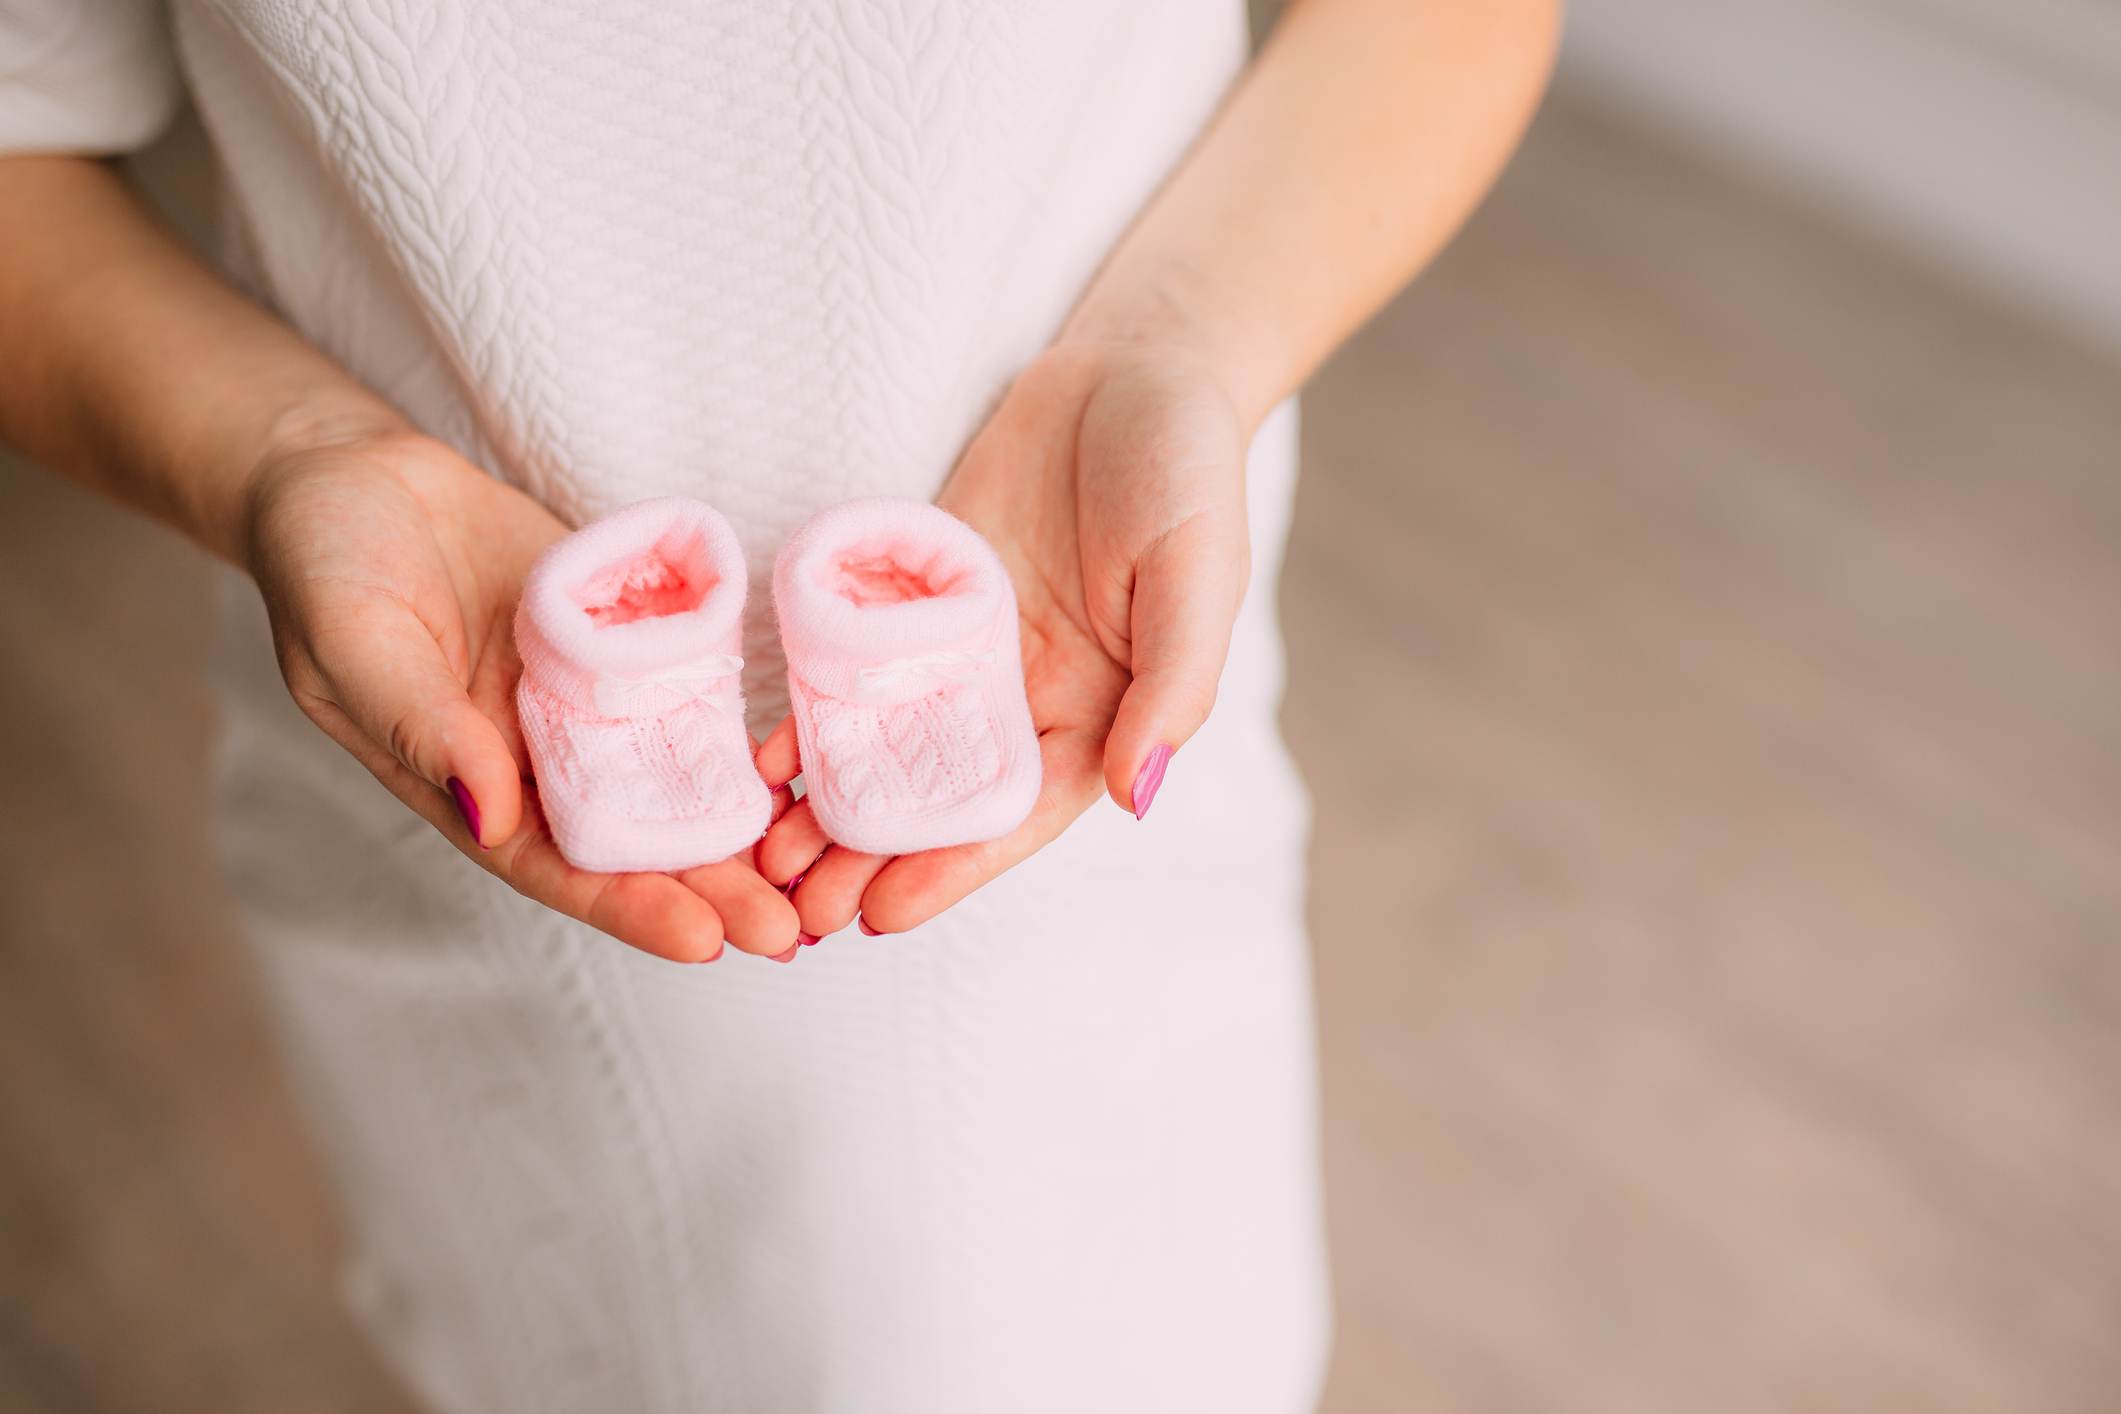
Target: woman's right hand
(391,568)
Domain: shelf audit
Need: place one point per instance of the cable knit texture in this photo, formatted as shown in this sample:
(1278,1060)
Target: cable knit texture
(629,699)
(899,625)
(1052,1152)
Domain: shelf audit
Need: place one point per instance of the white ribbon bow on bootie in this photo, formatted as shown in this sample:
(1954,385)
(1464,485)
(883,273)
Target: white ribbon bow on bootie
(951,665)
(618,697)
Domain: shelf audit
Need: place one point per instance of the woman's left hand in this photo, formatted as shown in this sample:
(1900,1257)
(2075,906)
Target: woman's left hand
(1112,483)
(1112,478)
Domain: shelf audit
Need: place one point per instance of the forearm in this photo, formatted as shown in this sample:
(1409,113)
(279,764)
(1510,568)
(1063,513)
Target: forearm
(1362,137)
(133,369)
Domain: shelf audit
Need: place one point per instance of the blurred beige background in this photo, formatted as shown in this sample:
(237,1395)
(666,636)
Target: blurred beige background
(1705,634)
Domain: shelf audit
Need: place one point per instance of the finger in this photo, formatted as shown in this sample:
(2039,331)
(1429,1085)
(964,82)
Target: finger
(783,800)
(791,844)
(652,912)
(779,795)
(913,888)
(755,917)
(440,807)
(493,690)
(384,671)
(669,922)
(779,759)
(831,892)
(656,914)
(1187,589)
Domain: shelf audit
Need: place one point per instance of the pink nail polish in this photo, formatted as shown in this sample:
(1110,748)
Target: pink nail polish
(806,940)
(789,887)
(466,806)
(1151,777)
(863,924)
(788,956)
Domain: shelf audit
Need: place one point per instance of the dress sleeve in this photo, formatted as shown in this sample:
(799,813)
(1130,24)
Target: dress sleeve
(84,76)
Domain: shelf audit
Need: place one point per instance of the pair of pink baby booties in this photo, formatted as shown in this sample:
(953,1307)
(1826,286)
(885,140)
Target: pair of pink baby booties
(904,674)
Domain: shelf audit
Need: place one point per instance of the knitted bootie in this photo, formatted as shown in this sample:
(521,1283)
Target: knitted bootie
(630,701)
(903,670)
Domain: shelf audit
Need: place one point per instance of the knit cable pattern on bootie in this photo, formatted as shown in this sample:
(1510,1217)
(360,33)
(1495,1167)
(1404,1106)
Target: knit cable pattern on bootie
(631,704)
(905,676)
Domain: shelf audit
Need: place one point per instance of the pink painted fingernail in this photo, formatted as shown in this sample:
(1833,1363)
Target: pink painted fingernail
(806,940)
(863,924)
(466,806)
(788,956)
(789,887)
(1151,777)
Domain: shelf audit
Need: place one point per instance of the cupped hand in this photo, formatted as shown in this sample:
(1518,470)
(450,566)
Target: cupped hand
(1111,483)
(391,568)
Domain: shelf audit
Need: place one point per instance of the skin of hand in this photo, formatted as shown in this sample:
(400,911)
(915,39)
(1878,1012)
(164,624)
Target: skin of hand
(391,568)
(390,565)
(1111,483)
(1111,478)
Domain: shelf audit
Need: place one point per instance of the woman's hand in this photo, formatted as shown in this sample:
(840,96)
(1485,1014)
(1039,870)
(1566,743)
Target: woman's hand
(390,565)
(1111,479)
(1111,482)
(391,568)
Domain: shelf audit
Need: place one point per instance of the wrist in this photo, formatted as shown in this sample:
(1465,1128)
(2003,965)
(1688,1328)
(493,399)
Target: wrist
(334,418)
(1178,314)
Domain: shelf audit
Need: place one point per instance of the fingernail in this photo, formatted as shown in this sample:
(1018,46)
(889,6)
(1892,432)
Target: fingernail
(466,806)
(863,924)
(789,887)
(1151,777)
(806,940)
(788,956)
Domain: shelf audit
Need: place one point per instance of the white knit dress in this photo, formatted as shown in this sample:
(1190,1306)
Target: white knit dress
(1053,1151)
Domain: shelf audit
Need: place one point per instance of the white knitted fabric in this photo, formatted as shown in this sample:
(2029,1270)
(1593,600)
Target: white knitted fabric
(1051,1152)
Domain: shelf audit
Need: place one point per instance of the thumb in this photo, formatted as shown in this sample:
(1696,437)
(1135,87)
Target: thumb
(387,694)
(1187,588)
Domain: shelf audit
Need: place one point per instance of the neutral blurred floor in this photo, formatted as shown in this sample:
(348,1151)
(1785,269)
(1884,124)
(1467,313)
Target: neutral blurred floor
(165,1238)
(1706,645)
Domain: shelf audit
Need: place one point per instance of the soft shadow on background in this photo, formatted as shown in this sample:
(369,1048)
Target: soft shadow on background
(1705,645)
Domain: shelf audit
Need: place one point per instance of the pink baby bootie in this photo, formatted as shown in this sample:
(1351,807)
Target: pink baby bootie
(903,669)
(630,701)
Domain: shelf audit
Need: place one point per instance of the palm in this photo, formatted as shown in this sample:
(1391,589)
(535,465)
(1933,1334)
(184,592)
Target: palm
(1111,488)
(1113,492)
(392,570)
